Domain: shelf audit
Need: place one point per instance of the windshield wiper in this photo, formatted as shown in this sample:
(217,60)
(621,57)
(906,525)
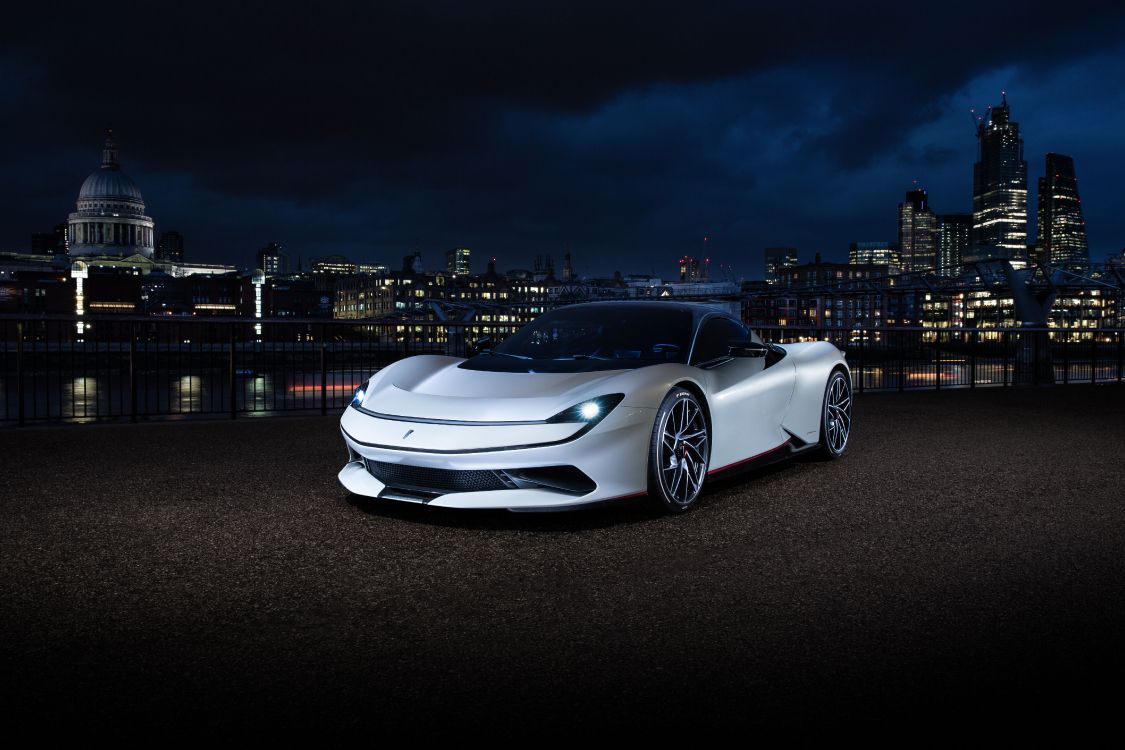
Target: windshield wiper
(504,354)
(581,356)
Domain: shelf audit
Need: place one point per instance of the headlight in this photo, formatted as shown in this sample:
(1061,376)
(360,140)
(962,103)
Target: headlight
(357,399)
(590,411)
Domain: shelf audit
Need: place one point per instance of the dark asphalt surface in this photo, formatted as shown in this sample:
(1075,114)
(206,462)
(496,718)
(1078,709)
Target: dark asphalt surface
(965,558)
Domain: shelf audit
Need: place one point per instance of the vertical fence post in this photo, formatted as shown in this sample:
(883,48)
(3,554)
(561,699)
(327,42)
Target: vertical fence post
(1093,357)
(974,339)
(132,372)
(1035,357)
(231,381)
(862,336)
(937,357)
(19,372)
(901,362)
(1004,344)
(1066,356)
(1120,353)
(323,374)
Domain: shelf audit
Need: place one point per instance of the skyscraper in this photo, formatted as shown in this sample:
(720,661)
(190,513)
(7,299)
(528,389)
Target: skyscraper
(1062,230)
(955,233)
(457,261)
(999,189)
(170,247)
(778,258)
(917,232)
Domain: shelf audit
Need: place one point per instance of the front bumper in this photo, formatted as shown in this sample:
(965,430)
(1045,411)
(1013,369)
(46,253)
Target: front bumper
(613,454)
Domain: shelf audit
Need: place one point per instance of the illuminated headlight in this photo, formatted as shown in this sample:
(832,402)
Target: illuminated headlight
(357,399)
(590,411)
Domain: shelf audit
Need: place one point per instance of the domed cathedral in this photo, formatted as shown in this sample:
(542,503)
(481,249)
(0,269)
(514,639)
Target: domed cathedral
(110,219)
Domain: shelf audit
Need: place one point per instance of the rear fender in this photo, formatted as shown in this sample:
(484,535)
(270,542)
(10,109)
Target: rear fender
(814,361)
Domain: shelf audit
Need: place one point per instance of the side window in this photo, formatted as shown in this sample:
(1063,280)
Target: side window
(715,338)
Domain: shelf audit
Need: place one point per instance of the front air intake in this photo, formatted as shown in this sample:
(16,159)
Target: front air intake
(437,481)
(425,481)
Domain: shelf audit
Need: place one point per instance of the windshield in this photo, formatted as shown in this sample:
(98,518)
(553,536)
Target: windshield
(593,337)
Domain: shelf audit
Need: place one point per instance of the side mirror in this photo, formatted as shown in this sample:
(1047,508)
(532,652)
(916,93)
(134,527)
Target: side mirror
(482,345)
(747,348)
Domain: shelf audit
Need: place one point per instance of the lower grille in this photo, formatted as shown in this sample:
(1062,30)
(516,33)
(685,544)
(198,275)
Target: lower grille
(437,481)
(424,482)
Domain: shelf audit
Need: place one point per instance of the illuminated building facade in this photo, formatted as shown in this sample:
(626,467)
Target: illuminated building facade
(917,232)
(457,261)
(811,303)
(363,296)
(955,232)
(334,265)
(110,217)
(999,189)
(778,259)
(878,253)
(1062,229)
(272,260)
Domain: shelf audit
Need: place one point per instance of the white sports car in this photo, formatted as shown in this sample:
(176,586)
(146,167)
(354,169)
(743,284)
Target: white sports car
(594,402)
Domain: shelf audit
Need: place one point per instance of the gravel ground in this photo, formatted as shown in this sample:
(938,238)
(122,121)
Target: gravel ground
(965,558)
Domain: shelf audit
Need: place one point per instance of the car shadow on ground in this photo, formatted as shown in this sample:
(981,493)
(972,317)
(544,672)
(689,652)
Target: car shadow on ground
(582,518)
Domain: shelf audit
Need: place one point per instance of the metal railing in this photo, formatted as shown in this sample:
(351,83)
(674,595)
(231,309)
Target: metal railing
(913,358)
(115,367)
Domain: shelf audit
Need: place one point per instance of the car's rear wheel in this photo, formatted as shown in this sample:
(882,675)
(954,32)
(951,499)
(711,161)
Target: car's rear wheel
(836,418)
(679,452)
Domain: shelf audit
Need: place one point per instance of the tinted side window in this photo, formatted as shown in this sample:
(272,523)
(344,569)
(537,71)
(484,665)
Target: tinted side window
(715,338)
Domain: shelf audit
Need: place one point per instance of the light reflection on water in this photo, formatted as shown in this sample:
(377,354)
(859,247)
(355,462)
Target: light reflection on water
(80,398)
(187,394)
(257,393)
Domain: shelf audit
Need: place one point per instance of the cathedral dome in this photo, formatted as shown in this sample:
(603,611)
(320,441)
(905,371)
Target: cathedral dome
(109,183)
(110,215)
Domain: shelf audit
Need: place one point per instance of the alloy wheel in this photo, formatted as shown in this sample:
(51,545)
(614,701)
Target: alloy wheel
(684,452)
(838,414)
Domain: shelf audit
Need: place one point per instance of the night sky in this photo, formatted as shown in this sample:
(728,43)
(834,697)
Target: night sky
(625,135)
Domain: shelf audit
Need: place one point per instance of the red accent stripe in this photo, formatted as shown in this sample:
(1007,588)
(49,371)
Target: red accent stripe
(746,460)
(625,497)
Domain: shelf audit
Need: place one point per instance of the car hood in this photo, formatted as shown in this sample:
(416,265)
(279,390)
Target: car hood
(433,387)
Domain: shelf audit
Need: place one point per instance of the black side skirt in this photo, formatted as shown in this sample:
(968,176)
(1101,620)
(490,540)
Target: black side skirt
(791,447)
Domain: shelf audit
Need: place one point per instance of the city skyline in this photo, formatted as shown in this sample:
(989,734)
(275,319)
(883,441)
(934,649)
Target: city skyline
(627,173)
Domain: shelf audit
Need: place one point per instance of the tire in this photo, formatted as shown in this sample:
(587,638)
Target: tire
(677,467)
(836,416)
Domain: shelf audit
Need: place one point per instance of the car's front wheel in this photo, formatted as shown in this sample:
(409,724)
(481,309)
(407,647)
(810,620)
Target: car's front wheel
(679,452)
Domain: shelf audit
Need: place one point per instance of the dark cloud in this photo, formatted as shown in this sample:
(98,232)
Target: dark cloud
(624,132)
